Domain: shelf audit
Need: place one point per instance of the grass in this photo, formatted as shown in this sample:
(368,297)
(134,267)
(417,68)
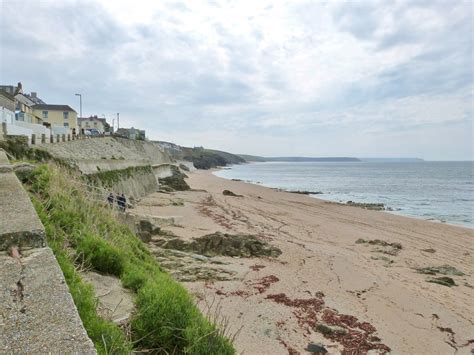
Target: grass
(111,177)
(83,232)
(107,337)
(17,146)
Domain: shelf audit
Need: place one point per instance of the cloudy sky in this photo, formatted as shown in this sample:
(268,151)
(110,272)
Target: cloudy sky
(308,78)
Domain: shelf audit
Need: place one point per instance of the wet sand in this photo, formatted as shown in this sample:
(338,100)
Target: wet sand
(330,274)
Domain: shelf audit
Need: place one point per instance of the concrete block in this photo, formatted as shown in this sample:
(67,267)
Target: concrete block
(37,312)
(19,223)
(3,158)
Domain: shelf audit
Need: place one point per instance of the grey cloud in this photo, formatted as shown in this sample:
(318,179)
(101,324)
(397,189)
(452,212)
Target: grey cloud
(359,18)
(164,77)
(210,89)
(87,35)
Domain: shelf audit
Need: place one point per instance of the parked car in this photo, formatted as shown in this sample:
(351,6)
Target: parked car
(94,132)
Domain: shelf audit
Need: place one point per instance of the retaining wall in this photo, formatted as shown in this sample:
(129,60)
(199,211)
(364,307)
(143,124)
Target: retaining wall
(37,312)
(108,153)
(133,182)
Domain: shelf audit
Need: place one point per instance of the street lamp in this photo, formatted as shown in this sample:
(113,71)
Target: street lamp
(80,104)
(118,120)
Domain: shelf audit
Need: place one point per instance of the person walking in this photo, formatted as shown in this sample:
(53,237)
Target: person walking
(118,198)
(121,202)
(124,202)
(111,199)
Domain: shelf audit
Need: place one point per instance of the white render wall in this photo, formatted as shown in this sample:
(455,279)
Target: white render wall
(6,115)
(37,129)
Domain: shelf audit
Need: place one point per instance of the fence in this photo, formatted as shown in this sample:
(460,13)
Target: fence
(37,134)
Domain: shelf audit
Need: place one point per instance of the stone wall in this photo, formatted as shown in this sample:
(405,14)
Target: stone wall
(133,182)
(108,153)
(134,167)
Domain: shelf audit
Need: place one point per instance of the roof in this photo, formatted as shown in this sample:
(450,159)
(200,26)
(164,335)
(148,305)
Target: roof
(24,99)
(82,119)
(7,95)
(35,99)
(9,89)
(53,107)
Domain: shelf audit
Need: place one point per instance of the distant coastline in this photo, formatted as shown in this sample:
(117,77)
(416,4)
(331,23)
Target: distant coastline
(256,158)
(396,185)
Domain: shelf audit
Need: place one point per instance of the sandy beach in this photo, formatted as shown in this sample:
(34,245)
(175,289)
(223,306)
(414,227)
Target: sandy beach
(347,279)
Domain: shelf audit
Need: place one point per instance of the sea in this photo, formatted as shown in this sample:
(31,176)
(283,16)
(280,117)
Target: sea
(430,190)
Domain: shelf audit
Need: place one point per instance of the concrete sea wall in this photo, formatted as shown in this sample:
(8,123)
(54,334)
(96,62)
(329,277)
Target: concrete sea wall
(118,165)
(37,312)
(108,153)
(134,182)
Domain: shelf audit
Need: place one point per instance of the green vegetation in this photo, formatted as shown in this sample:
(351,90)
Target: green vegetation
(107,337)
(207,159)
(85,234)
(17,146)
(203,158)
(111,177)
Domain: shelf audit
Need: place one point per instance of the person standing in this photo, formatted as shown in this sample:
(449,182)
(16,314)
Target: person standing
(111,199)
(118,198)
(121,202)
(124,202)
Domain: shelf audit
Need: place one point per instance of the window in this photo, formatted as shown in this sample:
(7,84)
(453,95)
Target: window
(65,115)
(45,115)
(66,124)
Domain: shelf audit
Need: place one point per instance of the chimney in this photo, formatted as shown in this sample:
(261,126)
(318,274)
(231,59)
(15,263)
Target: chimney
(33,95)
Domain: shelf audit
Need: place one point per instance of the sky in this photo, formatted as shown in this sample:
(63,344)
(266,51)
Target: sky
(273,78)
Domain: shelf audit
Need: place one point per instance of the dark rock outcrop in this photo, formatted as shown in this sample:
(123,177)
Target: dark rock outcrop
(146,230)
(183,167)
(238,245)
(230,193)
(316,349)
(443,270)
(444,281)
(305,192)
(386,247)
(367,206)
(174,182)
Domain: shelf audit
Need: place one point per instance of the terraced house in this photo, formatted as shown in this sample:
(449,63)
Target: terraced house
(57,115)
(93,122)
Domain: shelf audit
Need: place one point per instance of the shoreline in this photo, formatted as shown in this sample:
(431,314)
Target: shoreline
(339,261)
(315,196)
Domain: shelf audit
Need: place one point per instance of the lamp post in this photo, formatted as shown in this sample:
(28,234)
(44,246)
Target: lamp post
(118,120)
(80,113)
(80,104)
